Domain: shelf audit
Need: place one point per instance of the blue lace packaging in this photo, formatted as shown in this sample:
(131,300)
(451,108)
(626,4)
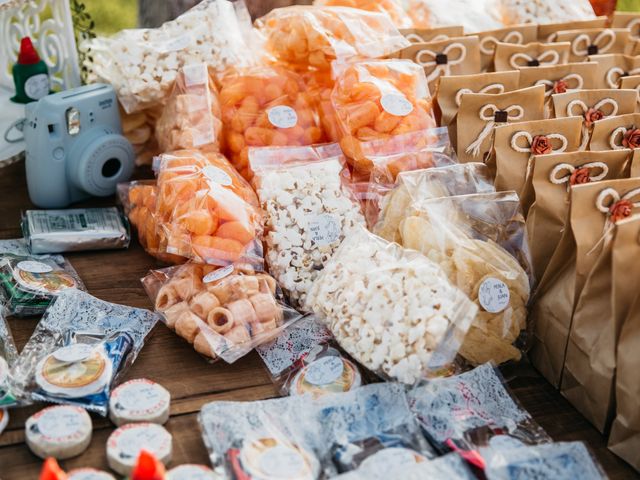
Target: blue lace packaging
(8,356)
(80,350)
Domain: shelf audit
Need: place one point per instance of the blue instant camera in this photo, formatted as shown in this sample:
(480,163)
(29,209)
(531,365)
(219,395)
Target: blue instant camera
(75,147)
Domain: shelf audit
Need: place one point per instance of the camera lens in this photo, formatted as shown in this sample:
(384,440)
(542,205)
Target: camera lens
(111,167)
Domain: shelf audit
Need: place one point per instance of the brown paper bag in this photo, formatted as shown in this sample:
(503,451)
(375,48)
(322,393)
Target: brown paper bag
(630,20)
(453,56)
(588,377)
(548,32)
(516,145)
(633,48)
(480,113)
(565,276)
(594,41)
(552,177)
(635,164)
(518,34)
(421,35)
(616,133)
(593,105)
(624,439)
(559,79)
(509,56)
(612,67)
(631,82)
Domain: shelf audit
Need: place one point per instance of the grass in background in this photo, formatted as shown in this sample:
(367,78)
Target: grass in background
(112,15)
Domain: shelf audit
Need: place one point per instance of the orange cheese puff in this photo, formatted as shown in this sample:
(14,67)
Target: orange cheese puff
(393,8)
(235,231)
(200,222)
(188,326)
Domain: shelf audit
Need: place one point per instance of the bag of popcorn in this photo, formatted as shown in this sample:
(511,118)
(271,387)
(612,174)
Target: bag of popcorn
(308,211)
(312,36)
(143,64)
(192,116)
(515,12)
(265,106)
(377,100)
(206,210)
(392,309)
(393,8)
(473,15)
(224,312)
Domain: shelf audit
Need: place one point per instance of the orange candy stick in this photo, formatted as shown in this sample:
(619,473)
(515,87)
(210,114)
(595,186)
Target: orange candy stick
(148,467)
(51,470)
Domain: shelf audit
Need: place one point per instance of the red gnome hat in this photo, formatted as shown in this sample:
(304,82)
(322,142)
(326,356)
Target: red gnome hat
(28,54)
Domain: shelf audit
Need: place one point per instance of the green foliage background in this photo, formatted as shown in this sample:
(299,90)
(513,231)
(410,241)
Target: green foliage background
(113,15)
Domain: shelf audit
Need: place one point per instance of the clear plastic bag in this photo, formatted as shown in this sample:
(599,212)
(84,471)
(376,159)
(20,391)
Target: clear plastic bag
(473,15)
(371,425)
(319,85)
(8,357)
(139,128)
(465,411)
(557,461)
(514,12)
(391,309)
(206,210)
(480,242)
(393,8)
(312,36)
(377,100)
(268,439)
(308,212)
(418,185)
(222,312)
(191,117)
(143,64)
(80,350)
(265,106)
(29,283)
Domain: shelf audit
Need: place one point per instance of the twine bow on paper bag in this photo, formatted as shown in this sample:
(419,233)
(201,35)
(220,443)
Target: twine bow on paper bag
(616,73)
(616,206)
(491,114)
(550,57)
(630,138)
(442,61)
(493,88)
(633,25)
(582,46)
(537,145)
(590,115)
(488,43)
(562,85)
(578,175)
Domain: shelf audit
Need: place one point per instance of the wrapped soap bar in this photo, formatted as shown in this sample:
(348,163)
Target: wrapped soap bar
(74,230)
(29,283)
(79,351)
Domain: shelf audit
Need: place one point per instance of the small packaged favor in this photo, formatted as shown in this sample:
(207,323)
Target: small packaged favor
(75,230)
(222,312)
(454,411)
(372,427)
(268,439)
(393,8)
(8,356)
(79,351)
(29,283)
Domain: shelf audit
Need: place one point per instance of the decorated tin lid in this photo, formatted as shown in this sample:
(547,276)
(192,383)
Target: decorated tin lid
(191,471)
(125,443)
(139,400)
(60,431)
(89,474)
(327,374)
(4,419)
(273,459)
(74,370)
(42,278)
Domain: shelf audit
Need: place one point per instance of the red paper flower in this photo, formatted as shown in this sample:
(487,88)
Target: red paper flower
(580,176)
(621,209)
(560,86)
(592,115)
(631,139)
(541,145)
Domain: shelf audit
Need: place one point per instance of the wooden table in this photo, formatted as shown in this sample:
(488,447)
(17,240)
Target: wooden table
(168,360)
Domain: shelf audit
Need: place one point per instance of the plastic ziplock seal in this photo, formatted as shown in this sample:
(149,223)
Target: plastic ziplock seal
(80,350)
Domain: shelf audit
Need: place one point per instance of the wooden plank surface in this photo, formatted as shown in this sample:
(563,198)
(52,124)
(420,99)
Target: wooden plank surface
(166,359)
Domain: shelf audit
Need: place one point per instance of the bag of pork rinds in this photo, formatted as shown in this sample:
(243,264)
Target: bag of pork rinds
(311,36)
(206,210)
(265,106)
(393,8)
(139,199)
(223,312)
(377,100)
(191,117)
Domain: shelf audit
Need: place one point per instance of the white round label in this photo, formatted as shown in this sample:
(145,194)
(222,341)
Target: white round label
(494,295)
(396,104)
(141,396)
(282,116)
(388,460)
(191,472)
(37,86)
(74,353)
(61,423)
(151,437)
(89,474)
(282,462)
(217,175)
(324,229)
(218,274)
(32,266)
(324,371)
